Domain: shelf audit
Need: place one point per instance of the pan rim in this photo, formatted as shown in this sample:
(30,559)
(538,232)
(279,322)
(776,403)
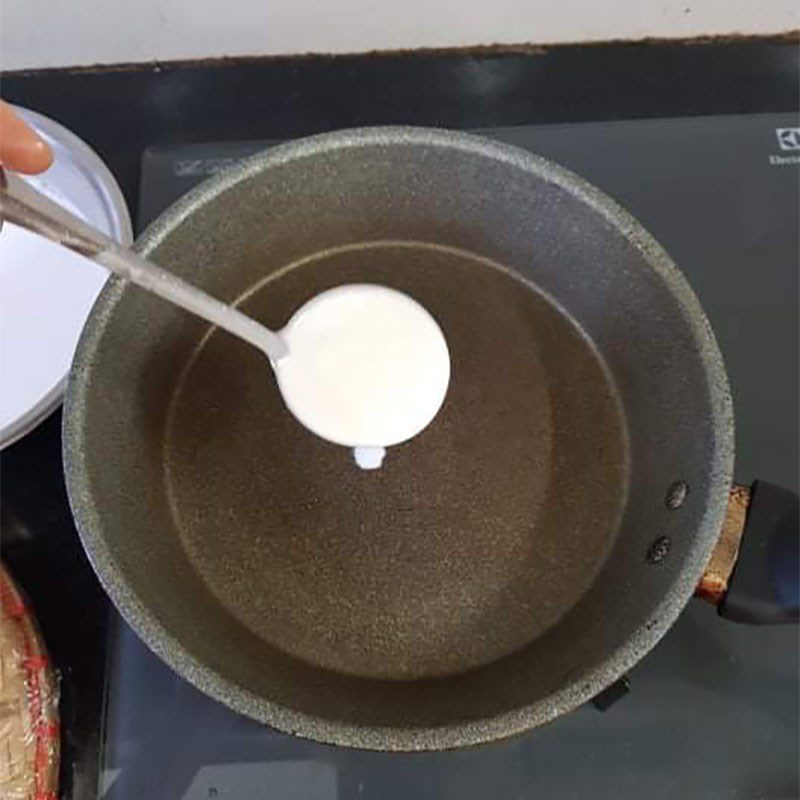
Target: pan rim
(583,686)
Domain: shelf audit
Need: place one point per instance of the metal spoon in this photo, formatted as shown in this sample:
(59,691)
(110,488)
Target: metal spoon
(23,205)
(369,366)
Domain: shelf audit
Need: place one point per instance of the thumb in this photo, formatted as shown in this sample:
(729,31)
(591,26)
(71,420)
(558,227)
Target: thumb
(21,148)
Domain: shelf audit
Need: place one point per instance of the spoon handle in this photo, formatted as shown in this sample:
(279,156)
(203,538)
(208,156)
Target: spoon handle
(23,205)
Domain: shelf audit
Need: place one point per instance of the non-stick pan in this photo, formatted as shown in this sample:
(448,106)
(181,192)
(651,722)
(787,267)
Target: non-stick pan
(502,567)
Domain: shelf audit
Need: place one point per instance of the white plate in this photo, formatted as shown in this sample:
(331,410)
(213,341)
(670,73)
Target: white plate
(46,292)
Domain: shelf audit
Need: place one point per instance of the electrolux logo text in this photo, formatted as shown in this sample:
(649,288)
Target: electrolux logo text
(788,140)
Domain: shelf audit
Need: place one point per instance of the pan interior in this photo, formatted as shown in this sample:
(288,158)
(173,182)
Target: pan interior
(472,540)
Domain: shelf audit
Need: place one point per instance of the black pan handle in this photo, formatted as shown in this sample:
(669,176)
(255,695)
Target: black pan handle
(764,586)
(754,573)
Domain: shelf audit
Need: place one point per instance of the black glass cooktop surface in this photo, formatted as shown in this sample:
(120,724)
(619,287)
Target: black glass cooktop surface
(713,711)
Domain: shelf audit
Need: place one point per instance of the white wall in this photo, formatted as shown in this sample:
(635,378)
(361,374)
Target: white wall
(48,33)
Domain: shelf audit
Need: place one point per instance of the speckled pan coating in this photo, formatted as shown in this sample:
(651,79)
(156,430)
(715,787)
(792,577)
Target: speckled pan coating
(575,222)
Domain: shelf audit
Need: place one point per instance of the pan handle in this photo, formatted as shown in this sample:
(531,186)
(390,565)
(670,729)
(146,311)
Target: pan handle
(753,575)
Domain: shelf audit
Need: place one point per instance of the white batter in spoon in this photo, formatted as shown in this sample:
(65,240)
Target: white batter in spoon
(360,365)
(368,367)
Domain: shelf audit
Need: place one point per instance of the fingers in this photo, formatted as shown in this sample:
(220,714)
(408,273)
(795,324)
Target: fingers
(21,148)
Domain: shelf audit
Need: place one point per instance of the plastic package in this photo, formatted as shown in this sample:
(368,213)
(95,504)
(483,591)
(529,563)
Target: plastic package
(29,724)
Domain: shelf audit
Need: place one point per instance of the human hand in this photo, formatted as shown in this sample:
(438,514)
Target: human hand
(21,148)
